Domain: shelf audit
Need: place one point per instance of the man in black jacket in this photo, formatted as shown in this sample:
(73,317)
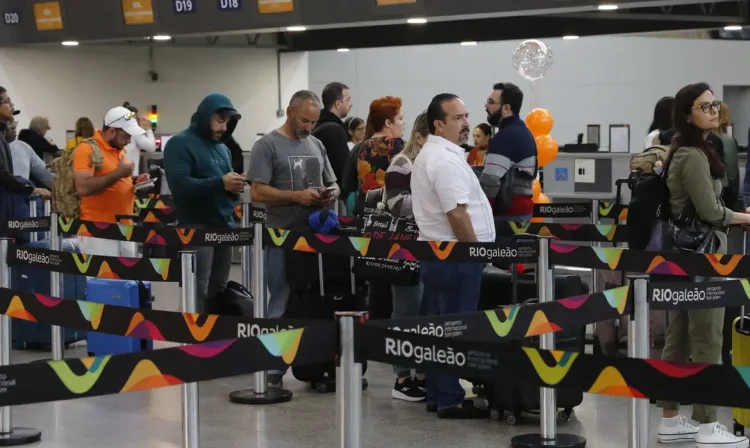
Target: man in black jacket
(7,180)
(34,136)
(330,130)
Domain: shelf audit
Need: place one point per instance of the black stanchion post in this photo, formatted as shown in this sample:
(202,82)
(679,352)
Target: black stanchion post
(247,254)
(55,289)
(548,437)
(10,436)
(33,213)
(190,393)
(47,212)
(349,383)
(261,394)
(638,347)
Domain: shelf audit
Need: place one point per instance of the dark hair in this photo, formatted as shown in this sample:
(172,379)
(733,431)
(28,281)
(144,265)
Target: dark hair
(2,90)
(84,128)
(304,95)
(352,123)
(333,92)
(485,128)
(689,135)
(130,107)
(662,115)
(435,109)
(511,95)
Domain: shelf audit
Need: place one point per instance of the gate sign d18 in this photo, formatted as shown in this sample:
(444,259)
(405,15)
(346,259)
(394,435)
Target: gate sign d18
(229,5)
(11,18)
(184,6)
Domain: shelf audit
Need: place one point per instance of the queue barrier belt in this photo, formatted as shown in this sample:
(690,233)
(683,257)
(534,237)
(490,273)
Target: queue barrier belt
(597,374)
(113,374)
(15,226)
(674,295)
(144,269)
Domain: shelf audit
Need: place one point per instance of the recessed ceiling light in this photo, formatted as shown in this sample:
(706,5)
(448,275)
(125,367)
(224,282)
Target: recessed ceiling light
(70,43)
(469,43)
(570,37)
(732,28)
(162,37)
(417,21)
(296,28)
(608,7)
(343,50)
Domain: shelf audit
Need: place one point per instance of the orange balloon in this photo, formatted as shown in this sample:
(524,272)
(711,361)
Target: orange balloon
(542,199)
(536,189)
(547,148)
(540,122)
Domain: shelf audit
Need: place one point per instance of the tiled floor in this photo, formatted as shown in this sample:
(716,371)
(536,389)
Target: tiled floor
(151,419)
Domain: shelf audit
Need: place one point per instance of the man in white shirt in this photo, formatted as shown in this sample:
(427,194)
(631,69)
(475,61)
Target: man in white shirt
(449,205)
(145,142)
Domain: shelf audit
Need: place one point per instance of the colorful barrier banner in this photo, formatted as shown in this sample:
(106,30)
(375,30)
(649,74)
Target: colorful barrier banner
(145,269)
(161,235)
(170,326)
(559,210)
(21,225)
(520,321)
(519,251)
(155,201)
(613,210)
(688,295)
(595,233)
(683,264)
(114,374)
(501,362)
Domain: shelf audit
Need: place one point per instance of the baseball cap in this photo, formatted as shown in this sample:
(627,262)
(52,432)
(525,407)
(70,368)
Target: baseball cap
(122,118)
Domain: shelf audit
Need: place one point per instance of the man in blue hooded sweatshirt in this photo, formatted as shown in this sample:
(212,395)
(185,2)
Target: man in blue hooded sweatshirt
(205,190)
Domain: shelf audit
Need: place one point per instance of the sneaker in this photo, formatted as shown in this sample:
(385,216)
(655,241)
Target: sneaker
(715,435)
(422,384)
(462,412)
(675,430)
(408,391)
(275,381)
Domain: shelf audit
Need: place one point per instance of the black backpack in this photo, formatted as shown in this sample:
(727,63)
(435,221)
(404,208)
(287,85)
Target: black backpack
(649,202)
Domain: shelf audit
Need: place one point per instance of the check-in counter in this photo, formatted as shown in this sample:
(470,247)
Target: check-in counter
(573,177)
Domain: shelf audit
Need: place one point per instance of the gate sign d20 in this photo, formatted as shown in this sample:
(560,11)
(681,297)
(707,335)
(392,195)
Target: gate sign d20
(230,5)
(184,6)
(11,17)
(48,16)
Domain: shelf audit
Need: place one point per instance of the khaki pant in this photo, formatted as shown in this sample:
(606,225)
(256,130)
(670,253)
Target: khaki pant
(697,334)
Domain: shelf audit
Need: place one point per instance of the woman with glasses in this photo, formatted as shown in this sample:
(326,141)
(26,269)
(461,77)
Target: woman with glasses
(694,173)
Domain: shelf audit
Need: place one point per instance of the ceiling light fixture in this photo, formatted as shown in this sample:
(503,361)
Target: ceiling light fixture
(162,37)
(296,29)
(570,37)
(70,43)
(733,28)
(608,7)
(343,50)
(417,21)
(469,43)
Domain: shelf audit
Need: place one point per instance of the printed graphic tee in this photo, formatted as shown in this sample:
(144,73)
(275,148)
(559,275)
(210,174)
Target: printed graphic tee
(290,165)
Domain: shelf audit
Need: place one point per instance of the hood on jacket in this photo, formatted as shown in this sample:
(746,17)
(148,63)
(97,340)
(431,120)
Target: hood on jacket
(326,116)
(201,120)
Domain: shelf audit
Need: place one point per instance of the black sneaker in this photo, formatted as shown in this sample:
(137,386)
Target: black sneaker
(422,384)
(275,381)
(408,391)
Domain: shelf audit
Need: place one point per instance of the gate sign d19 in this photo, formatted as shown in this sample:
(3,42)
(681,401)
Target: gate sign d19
(11,18)
(229,5)
(184,6)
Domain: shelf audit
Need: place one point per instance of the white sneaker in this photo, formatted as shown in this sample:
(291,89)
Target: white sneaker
(675,430)
(715,435)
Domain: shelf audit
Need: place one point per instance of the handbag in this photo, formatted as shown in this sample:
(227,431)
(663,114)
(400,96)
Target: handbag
(395,272)
(690,234)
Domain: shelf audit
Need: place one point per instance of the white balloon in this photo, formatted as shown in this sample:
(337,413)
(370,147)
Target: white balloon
(533,59)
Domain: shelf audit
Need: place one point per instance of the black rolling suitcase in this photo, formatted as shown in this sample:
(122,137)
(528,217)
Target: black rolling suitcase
(500,289)
(321,285)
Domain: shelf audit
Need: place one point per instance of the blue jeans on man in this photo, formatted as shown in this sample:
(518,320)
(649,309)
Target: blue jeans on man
(277,288)
(449,288)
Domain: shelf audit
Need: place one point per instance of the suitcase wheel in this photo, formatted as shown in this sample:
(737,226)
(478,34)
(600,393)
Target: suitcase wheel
(513,418)
(739,430)
(365,384)
(325,386)
(483,403)
(564,415)
(495,414)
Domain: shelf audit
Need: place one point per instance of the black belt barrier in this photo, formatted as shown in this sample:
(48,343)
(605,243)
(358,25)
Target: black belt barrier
(688,295)
(20,225)
(559,210)
(589,233)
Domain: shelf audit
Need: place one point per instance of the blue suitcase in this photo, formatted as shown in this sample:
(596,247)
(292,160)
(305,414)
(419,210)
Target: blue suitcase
(128,293)
(32,335)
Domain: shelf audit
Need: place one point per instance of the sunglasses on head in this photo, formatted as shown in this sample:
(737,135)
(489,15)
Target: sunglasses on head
(127,116)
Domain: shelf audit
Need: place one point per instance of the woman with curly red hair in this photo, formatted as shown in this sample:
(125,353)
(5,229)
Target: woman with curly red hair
(375,156)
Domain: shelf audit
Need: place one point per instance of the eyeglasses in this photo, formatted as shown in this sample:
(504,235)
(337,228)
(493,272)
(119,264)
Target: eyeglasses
(126,117)
(706,107)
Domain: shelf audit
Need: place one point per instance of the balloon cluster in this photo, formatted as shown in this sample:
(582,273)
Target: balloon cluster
(540,123)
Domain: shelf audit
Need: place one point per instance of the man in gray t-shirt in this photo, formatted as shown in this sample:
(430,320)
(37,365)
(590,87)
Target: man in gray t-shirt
(289,175)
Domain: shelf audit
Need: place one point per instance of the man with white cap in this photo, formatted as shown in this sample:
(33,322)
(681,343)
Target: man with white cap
(103,179)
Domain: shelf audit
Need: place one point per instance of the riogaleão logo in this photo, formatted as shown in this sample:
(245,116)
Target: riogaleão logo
(442,253)
(32,257)
(551,375)
(502,329)
(80,384)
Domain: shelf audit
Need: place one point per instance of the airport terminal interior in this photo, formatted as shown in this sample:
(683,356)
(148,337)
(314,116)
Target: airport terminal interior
(582,104)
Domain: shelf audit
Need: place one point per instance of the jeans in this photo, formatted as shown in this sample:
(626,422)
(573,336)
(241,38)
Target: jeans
(212,271)
(449,288)
(276,286)
(407,301)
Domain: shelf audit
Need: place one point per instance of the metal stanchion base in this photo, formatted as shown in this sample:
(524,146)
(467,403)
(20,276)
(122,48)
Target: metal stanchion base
(536,441)
(20,436)
(272,396)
